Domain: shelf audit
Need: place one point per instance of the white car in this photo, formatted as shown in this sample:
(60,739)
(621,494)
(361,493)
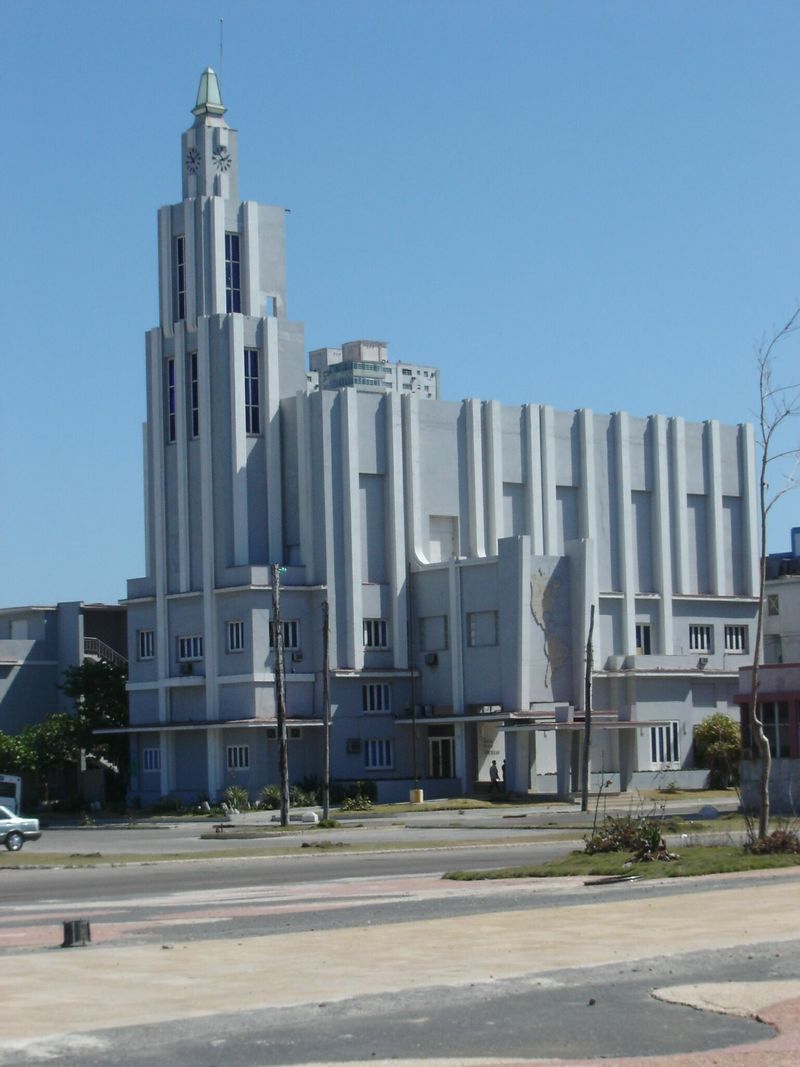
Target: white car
(15,830)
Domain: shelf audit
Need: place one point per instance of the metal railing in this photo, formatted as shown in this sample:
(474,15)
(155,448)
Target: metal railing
(93,646)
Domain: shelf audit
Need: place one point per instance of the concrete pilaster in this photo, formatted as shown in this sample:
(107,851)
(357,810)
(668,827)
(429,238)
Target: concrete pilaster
(662,562)
(234,342)
(533,479)
(270,361)
(680,524)
(493,426)
(351,514)
(476,517)
(548,468)
(625,524)
(716,553)
(396,521)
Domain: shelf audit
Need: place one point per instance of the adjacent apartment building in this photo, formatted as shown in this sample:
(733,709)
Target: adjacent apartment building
(463,549)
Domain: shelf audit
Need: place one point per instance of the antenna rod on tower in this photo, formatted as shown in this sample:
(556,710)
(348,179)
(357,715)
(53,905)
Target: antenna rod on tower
(221,27)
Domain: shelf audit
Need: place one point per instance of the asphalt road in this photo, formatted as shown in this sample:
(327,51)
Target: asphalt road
(599,1011)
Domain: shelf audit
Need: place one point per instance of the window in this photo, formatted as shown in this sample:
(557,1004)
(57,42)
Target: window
(664,745)
(433,633)
(238,757)
(775,716)
(481,628)
(233,292)
(252,410)
(700,638)
(291,635)
(378,754)
(773,604)
(178,281)
(170,400)
(151,760)
(235,636)
(643,634)
(375,633)
(194,394)
(376,696)
(736,638)
(190,648)
(441,751)
(146,644)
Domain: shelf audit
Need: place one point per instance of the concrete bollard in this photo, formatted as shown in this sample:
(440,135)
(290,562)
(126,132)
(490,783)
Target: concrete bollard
(76,932)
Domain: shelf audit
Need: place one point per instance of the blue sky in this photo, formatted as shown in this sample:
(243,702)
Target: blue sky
(573,203)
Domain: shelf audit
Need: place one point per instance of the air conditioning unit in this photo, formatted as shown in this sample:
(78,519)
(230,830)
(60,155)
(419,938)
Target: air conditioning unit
(431,659)
(702,663)
(353,746)
(186,668)
(297,657)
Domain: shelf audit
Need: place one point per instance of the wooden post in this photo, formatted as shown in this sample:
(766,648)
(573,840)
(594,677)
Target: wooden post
(326,715)
(280,693)
(587,716)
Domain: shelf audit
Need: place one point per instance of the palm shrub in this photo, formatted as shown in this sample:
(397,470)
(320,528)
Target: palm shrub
(236,796)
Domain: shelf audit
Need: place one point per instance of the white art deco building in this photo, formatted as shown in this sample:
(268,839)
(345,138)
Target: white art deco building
(461,547)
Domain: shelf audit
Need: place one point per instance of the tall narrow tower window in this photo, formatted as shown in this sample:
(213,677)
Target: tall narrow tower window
(170,400)
(252,409)
(179,280)
(233,292)
(194,394)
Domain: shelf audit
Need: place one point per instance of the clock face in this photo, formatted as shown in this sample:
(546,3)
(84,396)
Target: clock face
(222,159)
(193,160)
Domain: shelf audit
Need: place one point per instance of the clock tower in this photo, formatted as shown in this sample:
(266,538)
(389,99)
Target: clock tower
(209,164)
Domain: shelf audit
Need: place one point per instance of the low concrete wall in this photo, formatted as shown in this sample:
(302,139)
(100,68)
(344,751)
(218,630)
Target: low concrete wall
(784,785)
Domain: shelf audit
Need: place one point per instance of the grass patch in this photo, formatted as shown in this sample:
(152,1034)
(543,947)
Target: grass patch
(693,861)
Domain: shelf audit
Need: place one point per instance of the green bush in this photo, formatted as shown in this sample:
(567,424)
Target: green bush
(718,746)
(341,791)
(778,841)
(236,796)
(356,803)
(629,833)
(269,798)
(168,806)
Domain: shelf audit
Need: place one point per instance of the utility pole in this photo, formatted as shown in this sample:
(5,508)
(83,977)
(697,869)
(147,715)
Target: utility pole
(587,716)
(410,633)
(280,692)
(326,715)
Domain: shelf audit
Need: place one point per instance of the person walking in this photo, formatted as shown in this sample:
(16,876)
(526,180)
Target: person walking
(494,775)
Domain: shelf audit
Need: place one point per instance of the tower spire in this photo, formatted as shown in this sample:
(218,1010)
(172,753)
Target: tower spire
(209,98)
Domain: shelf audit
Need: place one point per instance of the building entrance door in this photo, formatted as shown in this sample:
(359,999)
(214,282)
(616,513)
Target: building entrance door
(441,750)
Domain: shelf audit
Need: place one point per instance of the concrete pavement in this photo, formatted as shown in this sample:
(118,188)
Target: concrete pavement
(55,992)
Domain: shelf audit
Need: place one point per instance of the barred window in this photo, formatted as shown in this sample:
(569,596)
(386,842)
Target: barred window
(238,757)
(376,696)
(700,638)
(291,635)
(151,760)
(190,648)
(735,638)
(665,745)
(378,754)
(235,636)
(375,633)
(146,644)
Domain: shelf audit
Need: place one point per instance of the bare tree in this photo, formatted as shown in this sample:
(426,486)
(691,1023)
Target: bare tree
(778,404)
